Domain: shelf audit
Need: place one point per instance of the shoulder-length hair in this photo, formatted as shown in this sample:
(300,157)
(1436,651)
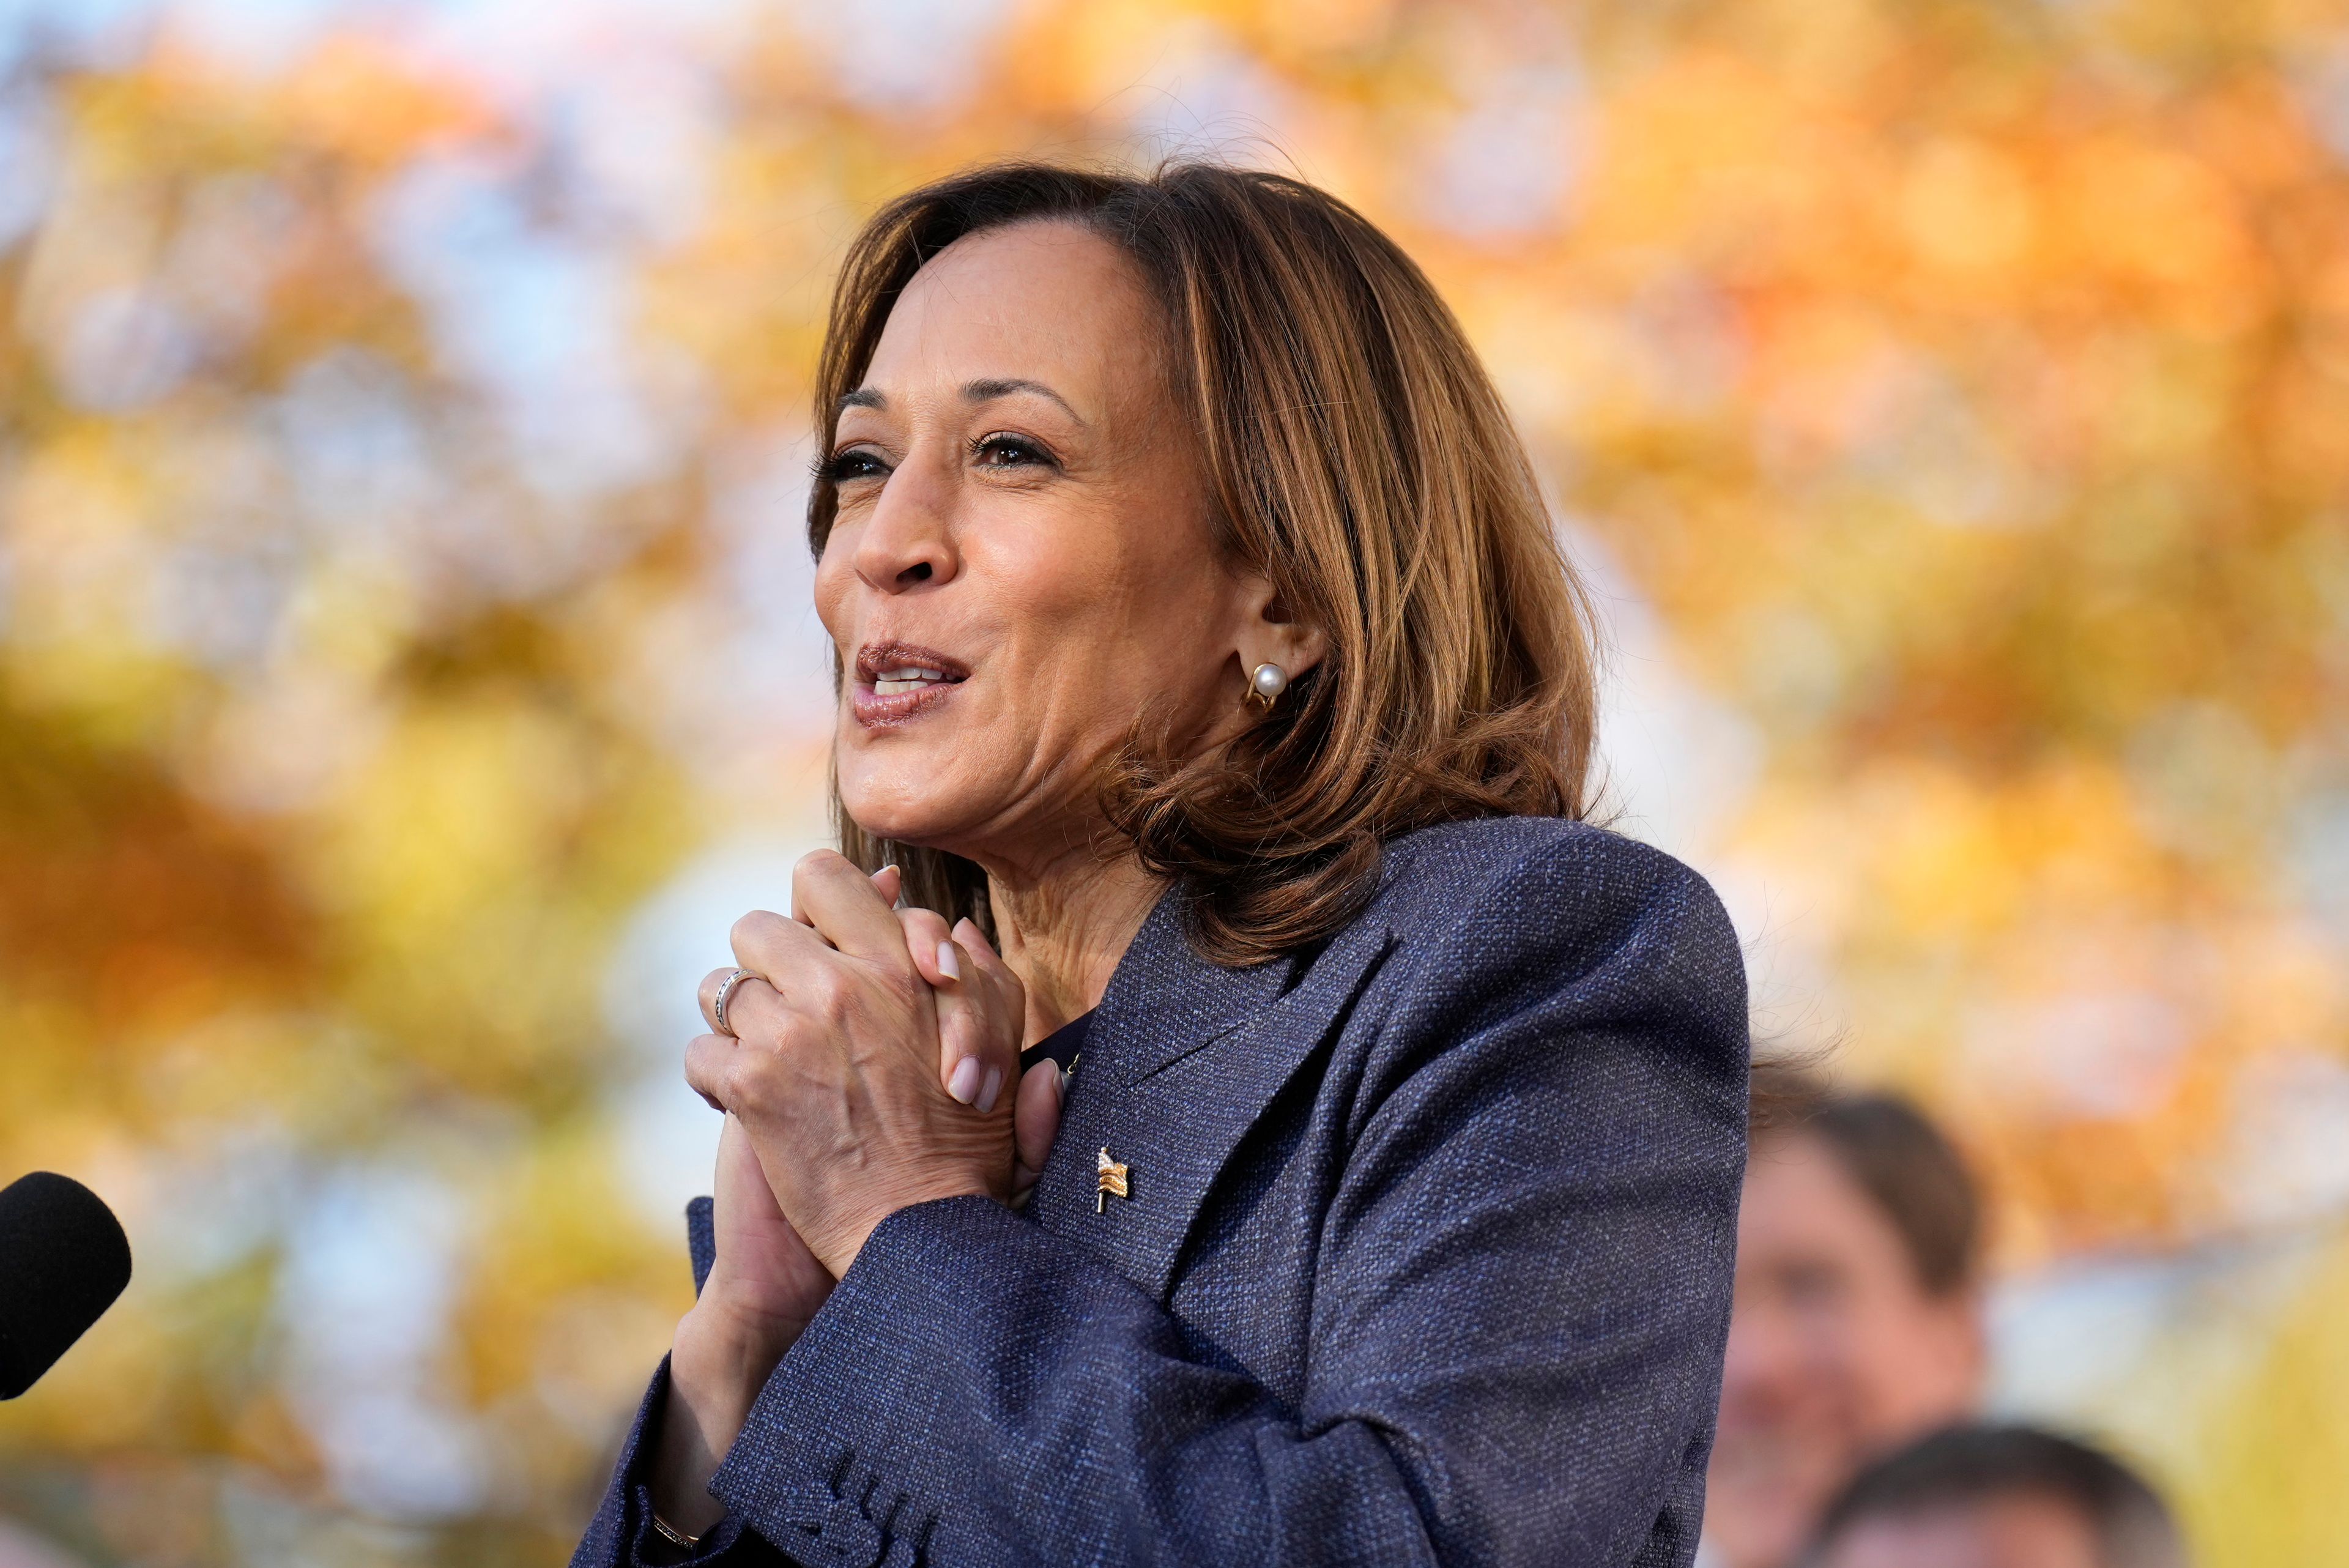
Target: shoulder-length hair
(1356,453)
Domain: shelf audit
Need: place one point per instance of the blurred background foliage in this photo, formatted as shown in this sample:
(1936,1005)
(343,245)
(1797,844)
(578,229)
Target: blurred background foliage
(406,675)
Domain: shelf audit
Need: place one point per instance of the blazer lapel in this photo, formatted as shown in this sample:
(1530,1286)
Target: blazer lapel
(1182,1059)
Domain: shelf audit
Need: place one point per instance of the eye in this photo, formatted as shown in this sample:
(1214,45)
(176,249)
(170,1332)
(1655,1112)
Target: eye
(1814,1284)
(852,463)
(1004,450)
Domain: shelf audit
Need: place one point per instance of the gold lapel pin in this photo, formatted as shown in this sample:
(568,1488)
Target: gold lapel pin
(1112,1181)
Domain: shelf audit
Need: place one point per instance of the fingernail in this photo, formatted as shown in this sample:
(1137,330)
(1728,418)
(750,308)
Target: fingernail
(1059,1084)
(963,1083)
(994,1085)
(886,869)
(950,964)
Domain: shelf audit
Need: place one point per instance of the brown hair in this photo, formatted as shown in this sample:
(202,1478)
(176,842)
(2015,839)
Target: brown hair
(1891,1151)
(1358,455)
(1964,1467)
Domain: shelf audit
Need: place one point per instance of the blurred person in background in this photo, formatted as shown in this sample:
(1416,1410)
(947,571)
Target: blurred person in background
(1998,1497)
(1212,680)
(20,1548)
(1857,1322)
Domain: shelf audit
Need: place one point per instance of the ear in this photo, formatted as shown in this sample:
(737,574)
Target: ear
(1270,632)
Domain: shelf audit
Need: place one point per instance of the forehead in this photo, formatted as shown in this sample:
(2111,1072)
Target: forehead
(1798,1163)
(1796,1188)
(2013,1529)
(1049,301)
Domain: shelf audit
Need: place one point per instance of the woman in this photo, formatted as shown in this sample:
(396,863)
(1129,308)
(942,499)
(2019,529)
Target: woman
(1208,667)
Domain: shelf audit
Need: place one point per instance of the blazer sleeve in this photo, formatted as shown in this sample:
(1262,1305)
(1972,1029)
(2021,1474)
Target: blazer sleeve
(621,1534)
(1518,1315)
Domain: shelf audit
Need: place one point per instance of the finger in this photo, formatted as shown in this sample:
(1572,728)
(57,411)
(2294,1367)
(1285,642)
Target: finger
(740,1182)
(980,1015)
(890,883)
(713,985)
(990,972)
(978,1051)
(845,907)
(1036,1116)
(1006,998)
(964,1018)
(968,933)
(707,1060)
(932,949)
(769,946)
(753,999)
(707,993)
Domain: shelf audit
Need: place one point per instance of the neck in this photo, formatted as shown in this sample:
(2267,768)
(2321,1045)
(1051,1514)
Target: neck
(1063,925)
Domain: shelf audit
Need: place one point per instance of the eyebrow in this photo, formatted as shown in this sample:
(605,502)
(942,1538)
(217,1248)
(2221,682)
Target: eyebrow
(980,391)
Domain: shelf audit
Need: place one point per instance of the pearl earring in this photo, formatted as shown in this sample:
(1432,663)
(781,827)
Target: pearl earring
(1266,685)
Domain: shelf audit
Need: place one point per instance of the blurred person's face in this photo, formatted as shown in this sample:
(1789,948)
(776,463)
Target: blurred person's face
(1836,1352)
(2014,1532)
(1023,563)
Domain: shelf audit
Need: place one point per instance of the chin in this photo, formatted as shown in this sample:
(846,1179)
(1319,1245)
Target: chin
(907,805)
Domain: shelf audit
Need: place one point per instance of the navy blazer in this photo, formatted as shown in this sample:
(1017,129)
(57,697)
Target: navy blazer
(1426,1259)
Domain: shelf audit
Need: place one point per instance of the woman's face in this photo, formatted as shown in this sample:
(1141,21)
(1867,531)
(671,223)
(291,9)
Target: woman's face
(1022,562)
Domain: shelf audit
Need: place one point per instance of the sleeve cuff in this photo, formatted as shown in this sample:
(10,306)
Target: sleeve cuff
(646,1547)
(814,1461)
(651,1549)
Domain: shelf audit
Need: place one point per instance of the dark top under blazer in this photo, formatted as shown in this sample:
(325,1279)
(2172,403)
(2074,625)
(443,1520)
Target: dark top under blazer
(1427,1258)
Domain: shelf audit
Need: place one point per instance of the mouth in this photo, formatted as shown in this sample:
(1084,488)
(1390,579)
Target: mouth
(896,680)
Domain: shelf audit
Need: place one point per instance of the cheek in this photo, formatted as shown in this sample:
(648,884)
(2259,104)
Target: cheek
(1104,617)
(833,579)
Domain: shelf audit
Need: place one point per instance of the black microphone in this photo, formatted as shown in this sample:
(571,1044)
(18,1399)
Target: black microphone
(63,1260)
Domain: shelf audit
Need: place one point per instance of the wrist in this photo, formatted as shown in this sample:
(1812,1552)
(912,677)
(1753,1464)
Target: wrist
(725,1339)
(840,1251)
(718,1360)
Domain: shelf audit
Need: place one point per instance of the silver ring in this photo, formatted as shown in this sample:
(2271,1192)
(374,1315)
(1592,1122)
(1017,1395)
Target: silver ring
(725,990)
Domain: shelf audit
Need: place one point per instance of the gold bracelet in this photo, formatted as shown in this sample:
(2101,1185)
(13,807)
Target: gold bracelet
(673,1535)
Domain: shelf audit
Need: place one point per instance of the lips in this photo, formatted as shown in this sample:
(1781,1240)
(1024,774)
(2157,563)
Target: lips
(896,680)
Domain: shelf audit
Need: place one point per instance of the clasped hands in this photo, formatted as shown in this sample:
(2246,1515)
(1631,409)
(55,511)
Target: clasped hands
(871,1062)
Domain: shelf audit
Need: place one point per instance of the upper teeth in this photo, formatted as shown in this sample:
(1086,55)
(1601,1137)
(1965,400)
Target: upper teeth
(905,679)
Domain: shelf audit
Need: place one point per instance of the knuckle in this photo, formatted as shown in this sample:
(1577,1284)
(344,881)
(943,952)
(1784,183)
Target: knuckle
(748,1077)
(902,981)
(819,863)
(830,994)
(751,928)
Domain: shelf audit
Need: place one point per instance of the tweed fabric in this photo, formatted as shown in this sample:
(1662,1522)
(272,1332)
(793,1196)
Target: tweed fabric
(1426,1258)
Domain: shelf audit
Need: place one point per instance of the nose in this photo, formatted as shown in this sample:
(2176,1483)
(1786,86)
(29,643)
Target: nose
(907,539)
(1762,1355)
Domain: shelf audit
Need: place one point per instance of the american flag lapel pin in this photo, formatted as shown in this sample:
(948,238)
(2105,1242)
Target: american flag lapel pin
(1112,1181)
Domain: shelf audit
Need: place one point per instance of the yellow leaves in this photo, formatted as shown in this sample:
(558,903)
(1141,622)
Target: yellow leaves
(126,905)
(1322,26)
(567,1297)
(469,798)
(1067,57)
(354,98)
(2120,217)
(2151,221)
(1946,864)
(2270,1488)
(1973,409)
(474,872)
(1706,152)
(1968,209)
(1925,858)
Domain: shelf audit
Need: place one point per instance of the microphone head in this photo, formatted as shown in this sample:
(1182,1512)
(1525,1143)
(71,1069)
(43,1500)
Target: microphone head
(63,1260)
